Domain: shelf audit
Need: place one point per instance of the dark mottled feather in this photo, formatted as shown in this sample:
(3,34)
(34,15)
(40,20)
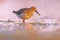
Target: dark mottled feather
(20,11)
(23,9)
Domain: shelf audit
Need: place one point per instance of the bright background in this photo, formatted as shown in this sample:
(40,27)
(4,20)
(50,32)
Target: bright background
(49,8)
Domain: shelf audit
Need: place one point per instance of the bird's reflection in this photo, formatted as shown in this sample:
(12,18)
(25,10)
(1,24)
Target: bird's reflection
(28,27)
(25,27)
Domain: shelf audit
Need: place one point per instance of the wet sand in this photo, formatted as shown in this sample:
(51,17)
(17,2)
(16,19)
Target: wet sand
(28,36)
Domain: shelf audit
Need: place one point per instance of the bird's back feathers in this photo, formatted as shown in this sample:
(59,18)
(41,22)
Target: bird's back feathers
(20,11)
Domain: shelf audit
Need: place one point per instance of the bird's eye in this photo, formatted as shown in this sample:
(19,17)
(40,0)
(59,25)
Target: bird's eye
(33,8)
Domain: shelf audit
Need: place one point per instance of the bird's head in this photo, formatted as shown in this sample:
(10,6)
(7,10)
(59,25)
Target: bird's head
(34,9)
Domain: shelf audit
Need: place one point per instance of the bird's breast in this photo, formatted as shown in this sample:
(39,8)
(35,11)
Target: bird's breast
(28,14)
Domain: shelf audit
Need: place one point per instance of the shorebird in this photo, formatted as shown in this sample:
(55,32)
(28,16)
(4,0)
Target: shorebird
(26,13)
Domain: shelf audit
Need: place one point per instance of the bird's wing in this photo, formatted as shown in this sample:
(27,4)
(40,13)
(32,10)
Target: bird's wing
(21,11)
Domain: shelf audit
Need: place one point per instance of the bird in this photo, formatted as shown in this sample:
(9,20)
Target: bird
(26,13)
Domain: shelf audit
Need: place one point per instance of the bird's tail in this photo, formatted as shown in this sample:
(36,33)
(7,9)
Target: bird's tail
(14,12)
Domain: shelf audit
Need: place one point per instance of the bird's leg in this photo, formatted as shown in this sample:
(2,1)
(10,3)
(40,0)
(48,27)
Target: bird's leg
(23,21)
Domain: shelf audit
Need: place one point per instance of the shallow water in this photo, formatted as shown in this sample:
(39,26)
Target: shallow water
(29,31)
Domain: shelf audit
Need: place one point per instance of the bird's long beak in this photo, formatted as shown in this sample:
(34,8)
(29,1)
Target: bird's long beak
(37,12)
